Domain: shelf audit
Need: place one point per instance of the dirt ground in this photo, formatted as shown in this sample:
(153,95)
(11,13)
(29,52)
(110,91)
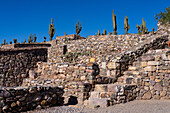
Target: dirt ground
(137,106)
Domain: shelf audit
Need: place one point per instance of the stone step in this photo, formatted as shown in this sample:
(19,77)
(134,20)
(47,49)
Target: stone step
(109,94)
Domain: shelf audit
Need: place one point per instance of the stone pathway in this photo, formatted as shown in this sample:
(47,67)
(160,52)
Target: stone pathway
(137,106)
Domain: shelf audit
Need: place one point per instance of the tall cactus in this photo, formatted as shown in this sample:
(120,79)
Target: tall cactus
(105,32)
(4,42)
(114,23)
(35,38)
(30,38)
(143,27)
(51,30)
(78,27)
(98,32)
(126,25)
(138,27)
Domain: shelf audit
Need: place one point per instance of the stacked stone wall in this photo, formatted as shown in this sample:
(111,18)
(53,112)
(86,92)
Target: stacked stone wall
(15,64)
(151,72)
(18,99)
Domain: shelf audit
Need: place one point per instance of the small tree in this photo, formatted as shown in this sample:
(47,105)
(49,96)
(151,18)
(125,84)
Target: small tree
(164,17)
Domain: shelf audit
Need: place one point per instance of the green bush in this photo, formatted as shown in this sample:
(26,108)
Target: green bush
(164,17)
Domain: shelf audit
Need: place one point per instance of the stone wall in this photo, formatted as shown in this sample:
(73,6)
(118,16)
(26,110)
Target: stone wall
(15,64)
(151,72)
(18,99)
(77,80)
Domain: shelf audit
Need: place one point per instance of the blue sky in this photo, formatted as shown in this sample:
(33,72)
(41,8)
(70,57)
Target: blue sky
(19,18)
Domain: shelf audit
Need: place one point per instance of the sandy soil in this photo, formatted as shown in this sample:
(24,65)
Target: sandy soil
(137,106)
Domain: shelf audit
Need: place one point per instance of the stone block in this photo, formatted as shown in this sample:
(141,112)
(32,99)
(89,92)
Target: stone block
(101,87)
(94,94)
(147,58)
(153,63)
(147,95)
(150,68)
(32,74)
(163,93)
(103,65)
(113,88)
(132,68)
(156,97)
(112,65)
(158,87)
(144,64)
(92,60)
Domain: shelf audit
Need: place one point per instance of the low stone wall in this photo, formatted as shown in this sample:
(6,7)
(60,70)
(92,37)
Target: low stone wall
(77,80)
(16,63)
(17,99)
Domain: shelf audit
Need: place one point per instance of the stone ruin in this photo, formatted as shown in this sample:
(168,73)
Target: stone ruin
(98,71)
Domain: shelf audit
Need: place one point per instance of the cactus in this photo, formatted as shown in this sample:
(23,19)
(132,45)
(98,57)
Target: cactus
(25,41)
(105,32)
(138,27)
(126,25)
(143,27)
(30,39)
(110,33)
(78,27)
(4,42)
(98,32)
(153,30)
(35,38)
(51,29)
(114,23)
(15,40)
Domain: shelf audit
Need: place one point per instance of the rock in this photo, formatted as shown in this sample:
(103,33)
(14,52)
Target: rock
(43,103)
(150,68)
(153,63)
(156,97)
(112,65)
(162,93)
(13,104)
(113,88)
(144,64)
(5,108)
(103,65)
(147,96)
(158,87)
(92,60)
(1,104)
(32,74)
(36,98)
(100,87)
(132,68)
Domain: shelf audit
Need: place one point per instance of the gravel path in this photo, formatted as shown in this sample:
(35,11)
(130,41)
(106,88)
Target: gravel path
(137,106)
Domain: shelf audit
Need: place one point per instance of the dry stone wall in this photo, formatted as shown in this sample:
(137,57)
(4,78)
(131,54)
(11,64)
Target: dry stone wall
(151,72)
(15,64)
(18,99)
